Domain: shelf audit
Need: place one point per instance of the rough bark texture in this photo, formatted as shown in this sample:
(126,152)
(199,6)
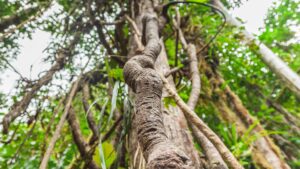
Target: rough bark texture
(281,69)
(140,75)
(174,120)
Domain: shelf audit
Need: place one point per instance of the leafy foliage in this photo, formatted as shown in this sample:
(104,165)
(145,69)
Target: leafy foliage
(239,64)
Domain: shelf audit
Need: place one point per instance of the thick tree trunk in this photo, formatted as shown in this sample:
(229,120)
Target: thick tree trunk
(174,120)
(163,139)
(276,65)
(174,123)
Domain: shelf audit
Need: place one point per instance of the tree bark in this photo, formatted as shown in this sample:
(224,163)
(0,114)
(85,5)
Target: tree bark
(157,148)
(174,121)
(176,125)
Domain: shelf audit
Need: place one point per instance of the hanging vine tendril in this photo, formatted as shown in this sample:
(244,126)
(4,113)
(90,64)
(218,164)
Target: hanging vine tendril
(165,14)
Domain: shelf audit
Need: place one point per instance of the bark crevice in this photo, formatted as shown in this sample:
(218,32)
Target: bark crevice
(141,77)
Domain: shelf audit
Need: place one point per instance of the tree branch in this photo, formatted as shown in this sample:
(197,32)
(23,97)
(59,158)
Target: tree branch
(285,74)
(213,156)
(23,22)
(87,108)
(137,34)
(195,120)
(79,140)
(20,106)
(59,126)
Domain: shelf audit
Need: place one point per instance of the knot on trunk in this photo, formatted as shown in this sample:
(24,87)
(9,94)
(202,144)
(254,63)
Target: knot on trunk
(138,68)
(149,81)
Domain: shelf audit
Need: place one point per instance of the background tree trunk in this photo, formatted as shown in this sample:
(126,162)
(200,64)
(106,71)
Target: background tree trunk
(265,153)
(288,77)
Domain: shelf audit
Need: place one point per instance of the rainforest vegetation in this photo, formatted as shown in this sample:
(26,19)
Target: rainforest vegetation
(151,84)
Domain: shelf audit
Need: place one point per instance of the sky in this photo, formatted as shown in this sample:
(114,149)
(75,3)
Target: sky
(30,61)
(253,12)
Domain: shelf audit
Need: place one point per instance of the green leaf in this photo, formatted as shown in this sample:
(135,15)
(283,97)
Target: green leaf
(116,74)
(109,153)
(104,155)
(101,154)
(113,101)
(102,113)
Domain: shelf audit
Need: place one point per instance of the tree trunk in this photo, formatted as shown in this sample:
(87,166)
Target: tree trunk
(159,136)
(276,65)
(174,123)
(265,153)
